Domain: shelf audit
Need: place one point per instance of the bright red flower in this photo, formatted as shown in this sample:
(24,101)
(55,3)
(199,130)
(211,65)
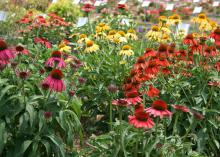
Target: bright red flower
(150,53)
(87,7)
(122,7)
(43,41)
(153,92)
(120,102)
(216,34)
(217,66)
(189,40)
(21,50)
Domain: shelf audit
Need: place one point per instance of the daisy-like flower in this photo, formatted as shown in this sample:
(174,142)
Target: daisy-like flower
(141,119)
(132,96)
(174,19)
(87,7)
(131,34)
(91,46)
(216,34)
(150,53)
(153,92)
(181,108)
(189,40)
(112,34)
(200,18)
(55,60)
(5,53)
(159,109)
(82,38)
(23,74)
(102,27)
(54,80)
(21,50)
(126,50)
(122,37)
(154,34)
(64,47)
(205,26)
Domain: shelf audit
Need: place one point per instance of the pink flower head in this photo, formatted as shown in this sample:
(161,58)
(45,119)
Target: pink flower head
(54,80)
(55,60)
(181,108)
(87,7)
(21,50)
(5,53)
(159,109)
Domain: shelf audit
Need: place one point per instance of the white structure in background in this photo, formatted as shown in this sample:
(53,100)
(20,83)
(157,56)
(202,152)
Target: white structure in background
(146,3)
(122,2)
(76,1)
(170,6)
(215,4)
(197,10)
(82,21)
(3,15)
(184,26)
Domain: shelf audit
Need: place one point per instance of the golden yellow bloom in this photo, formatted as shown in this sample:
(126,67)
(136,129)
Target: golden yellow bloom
(154,34)
(112,34)
(63,47)
(131,34)
(91,47)
(200,18)
(174,19)
(213,24)
(181,34)
(121,37)
(126,50)
(165,38)
(205,26)
(82,38)
(163,19)
(102,27)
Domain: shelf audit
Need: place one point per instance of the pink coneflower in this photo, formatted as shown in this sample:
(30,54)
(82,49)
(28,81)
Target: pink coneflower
(5,53)
(214,83)
(120,102)
(152,92)
(21,50)
(55,80)
(45,86)
(71,93)
(141,119)
(55,60)
(159,109)
(81,80)
(47,115)
(181,108)
(133,97)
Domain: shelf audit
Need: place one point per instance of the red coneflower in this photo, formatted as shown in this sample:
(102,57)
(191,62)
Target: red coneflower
(216,34)
(140,63)
(43,41)
(159,109)
(141,119)
(87,7)
(152,92)
(55,80)
(5,53)
(181,108)
(152,67)
(196,48)
(189,40)
(55,60)
(23,74)
(150,53)
(132,96)
(217,66)
(122,7)
(47,115)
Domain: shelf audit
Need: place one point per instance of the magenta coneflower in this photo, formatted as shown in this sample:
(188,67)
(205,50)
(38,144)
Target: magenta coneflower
(23,74)
(159,109)
(55,80)
(55,60)
(5,53)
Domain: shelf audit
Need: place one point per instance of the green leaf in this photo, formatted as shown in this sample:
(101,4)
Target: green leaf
(25,146)
(5,90)
(31,112)
(47,146)
(57,143)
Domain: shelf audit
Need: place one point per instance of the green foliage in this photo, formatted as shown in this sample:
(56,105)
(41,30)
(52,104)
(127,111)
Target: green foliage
(66,9)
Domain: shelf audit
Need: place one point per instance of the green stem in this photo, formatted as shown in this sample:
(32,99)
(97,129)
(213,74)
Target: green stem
(110,115)
(120,114)
(175,124)
(23,91)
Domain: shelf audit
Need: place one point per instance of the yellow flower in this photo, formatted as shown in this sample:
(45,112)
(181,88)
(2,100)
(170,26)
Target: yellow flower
(122,37)
(64,47)
(154,34)
(213,24)
(91,47)
(102,27)
(174,19)
(181,34)
(82,38)
(112,34)
(131,34)
(200,18)
(165,38)
(126,50)
(205,26)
